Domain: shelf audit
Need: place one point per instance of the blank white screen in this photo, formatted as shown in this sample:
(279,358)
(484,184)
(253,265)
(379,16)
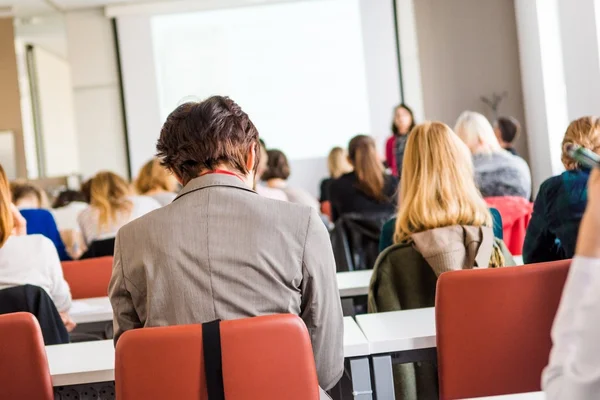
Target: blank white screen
(298,69)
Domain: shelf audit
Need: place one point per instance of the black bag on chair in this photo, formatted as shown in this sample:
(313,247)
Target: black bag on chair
(100,248)
(35,300)
(355,240)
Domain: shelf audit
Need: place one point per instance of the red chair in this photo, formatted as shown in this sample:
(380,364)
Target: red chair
(88,278)
(24,372)
(516,214)
(265,358)
(493,328)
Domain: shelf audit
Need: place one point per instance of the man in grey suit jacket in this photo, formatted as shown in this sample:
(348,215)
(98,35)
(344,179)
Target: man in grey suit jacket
(220,251)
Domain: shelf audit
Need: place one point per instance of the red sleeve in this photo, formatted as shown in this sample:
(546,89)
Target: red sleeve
(390,157)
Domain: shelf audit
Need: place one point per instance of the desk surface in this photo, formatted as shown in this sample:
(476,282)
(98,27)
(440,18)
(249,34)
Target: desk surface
(520,396)
(355,343)
(78,363)
(399,330)
(96,309)
(354,283)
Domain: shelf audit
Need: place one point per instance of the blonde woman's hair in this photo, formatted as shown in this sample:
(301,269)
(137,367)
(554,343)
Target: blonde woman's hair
(477,133)
(584,132)
(154,176)
(108,194)
(337,162)
(437,185)
(6,216)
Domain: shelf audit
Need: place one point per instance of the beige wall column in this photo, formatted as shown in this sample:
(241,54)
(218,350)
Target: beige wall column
(10,98)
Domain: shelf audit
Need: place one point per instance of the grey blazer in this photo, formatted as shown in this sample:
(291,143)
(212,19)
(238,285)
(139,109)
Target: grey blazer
(221,251)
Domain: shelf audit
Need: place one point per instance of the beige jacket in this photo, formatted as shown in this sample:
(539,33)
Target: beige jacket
(220,251)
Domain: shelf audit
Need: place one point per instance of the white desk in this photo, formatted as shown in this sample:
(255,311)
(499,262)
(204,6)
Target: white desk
(85,311)
(408,335)
(354,283)
(356,353)
(80,363)
(520,396)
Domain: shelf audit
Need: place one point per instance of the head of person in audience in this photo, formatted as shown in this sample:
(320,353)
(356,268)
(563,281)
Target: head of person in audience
(337,162)
(154,178)
(25,195)
(404,120)
(363,156)
(584,132)
(278,167)
(477,133)
(437,184)
(109,195)
(86,190)
(203,137)
(507,130)
(67,197)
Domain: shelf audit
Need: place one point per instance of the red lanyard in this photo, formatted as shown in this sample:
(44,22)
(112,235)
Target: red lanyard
(223,172)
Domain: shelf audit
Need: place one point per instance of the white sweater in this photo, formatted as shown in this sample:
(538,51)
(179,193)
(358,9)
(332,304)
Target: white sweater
(33,260)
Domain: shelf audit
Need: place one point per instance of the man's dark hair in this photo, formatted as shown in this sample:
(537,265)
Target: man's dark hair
(509,128)
(198,137)
(277,166)
(66,197)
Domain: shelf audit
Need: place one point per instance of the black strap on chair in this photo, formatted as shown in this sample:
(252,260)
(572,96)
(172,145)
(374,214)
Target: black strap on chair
(213,365)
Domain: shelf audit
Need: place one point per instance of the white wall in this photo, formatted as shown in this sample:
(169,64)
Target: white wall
(543,84)
(96,91)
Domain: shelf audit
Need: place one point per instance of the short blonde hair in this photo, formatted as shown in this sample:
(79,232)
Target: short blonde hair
(477,133)
(584,132)
(154,176)
(437,184)
(337,162)
(6,216)
(109,195)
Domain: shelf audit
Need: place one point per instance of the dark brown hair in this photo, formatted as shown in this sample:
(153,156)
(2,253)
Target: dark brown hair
(200,136)
(21,190)
(277,166)
(509,128)
(66,197)
(395,130)
(368,169)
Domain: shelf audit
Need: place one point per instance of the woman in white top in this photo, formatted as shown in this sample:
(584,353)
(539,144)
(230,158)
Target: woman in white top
(111,207)
(574,369)
(156,182)
(29,259)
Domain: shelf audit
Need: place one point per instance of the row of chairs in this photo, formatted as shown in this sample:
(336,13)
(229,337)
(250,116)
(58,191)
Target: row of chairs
(267,357)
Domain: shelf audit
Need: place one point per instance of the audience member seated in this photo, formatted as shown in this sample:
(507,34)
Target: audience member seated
(220,251)
(66,209)
(111,206)
(156,182)
(26,195)
(367,189)
(276,175)
(338,165)
(387,231)
(572,372)
(443,225)
(507,130)
(262,189)
(561,200)
(402,124)
(29,259)
(497,172)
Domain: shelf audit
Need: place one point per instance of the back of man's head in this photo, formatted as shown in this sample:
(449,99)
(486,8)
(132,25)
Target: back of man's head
(204,136)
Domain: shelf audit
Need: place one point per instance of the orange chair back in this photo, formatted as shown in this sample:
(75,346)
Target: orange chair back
(265,358)
(493,328)
(88,278)
(24,372)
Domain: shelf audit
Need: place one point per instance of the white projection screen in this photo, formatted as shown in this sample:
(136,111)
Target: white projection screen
(311,74)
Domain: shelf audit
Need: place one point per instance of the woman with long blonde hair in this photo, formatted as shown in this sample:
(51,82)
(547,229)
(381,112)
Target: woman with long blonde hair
(112,205)
(497,172)
(367,189)
(155,181)
(443,224)
(29,259)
